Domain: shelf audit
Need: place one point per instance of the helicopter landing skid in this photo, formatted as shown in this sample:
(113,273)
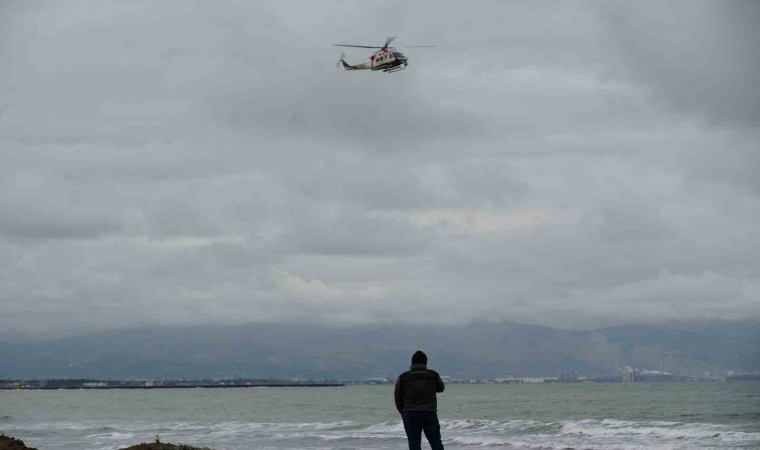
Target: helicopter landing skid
(395,69)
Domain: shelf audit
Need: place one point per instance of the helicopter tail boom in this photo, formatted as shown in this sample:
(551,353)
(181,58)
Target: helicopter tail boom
(347,66)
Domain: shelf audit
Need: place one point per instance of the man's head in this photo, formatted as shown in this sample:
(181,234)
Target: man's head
(419,358)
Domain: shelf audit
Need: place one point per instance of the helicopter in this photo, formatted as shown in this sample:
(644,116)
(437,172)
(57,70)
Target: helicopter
(387,59)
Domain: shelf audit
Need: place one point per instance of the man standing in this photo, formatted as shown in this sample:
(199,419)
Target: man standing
(416,401)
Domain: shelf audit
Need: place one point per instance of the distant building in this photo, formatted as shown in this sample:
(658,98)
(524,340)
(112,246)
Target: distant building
(628,375)
(657,375)
(569,376)
(376,380)
(508,380)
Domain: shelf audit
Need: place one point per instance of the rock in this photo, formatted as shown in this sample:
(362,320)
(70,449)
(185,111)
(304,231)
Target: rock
(9,443)
(162,446)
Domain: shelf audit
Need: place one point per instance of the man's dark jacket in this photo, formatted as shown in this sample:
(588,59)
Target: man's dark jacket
(416,389)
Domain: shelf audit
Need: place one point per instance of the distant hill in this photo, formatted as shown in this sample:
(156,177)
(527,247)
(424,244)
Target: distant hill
(480,350)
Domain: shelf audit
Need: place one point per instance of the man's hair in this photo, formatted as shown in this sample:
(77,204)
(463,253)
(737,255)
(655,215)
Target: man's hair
(419,358)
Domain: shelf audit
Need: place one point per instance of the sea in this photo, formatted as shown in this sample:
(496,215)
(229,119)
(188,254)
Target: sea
(693,415)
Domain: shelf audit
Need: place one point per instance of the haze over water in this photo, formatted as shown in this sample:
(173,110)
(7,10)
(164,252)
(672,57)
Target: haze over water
(541,416)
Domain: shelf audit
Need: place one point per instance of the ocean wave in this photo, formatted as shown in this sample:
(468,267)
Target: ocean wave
(114,435)
(592,434)
(718,434)
(393,426)
(507,426)
(608,434)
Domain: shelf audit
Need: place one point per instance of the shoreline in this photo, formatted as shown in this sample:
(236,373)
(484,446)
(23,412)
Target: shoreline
(12,443)
(177,386)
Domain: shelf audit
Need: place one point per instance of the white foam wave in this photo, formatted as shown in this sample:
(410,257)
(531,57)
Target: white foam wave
(606,434)
(508,426)
(385,427)
(113,435)
(664,431)
(597,434)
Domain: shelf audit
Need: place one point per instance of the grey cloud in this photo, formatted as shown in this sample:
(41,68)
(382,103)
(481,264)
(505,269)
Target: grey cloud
(629,223)
(696,57)
(77,79)
(379,183)
(331,230)
(235,256)
(174,163)
(39,208)
(386,118)
(730,158)
(14,225)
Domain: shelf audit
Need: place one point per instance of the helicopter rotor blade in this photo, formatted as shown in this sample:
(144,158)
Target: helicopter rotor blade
(357,46)
(385,45)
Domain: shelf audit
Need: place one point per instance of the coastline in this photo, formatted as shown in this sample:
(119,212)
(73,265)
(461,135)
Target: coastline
(170,386)
(11,443)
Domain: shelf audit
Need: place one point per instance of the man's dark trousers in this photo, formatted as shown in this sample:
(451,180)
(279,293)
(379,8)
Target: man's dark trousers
(417,421)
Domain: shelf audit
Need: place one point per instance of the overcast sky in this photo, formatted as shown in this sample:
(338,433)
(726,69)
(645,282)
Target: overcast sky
(573,164)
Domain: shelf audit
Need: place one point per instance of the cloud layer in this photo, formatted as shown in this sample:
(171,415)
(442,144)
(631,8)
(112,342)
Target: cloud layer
(568,164)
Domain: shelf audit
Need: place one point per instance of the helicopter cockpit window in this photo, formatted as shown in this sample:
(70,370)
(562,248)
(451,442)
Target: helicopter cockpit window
(397,55)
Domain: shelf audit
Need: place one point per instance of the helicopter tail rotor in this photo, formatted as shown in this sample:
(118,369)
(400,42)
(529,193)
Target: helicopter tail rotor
(341,61)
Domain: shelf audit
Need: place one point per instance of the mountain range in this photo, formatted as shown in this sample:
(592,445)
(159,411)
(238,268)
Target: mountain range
(478,350)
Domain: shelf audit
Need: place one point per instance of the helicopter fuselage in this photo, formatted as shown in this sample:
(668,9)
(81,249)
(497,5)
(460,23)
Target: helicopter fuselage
(385,59)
